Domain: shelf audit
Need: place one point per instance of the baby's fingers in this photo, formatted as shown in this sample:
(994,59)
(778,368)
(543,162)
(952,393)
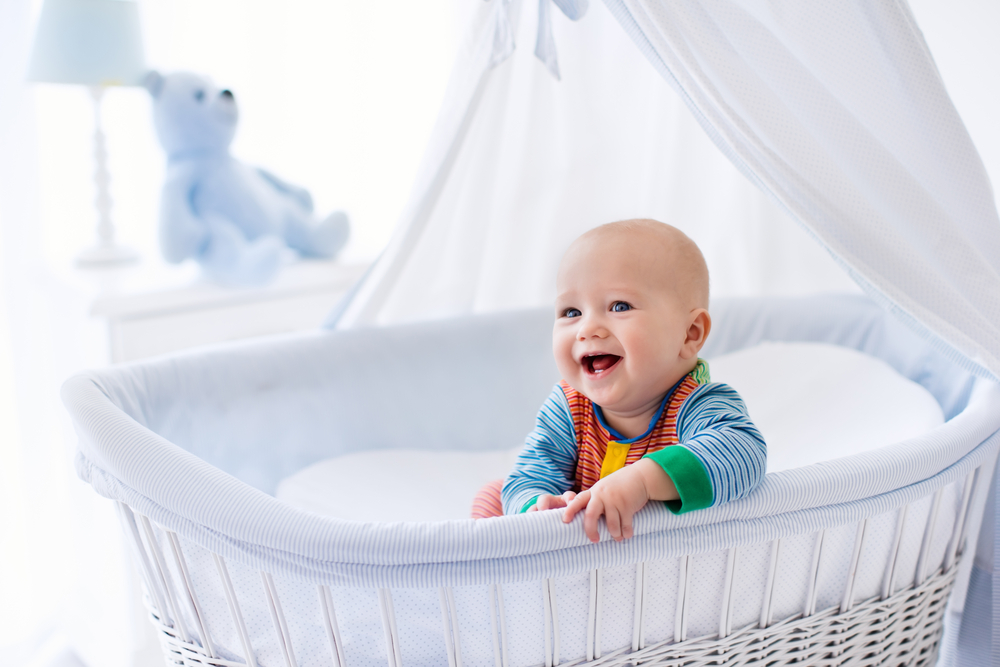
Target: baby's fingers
(594,511)
(577,503)
(614,522)
(626,519)
(549,502)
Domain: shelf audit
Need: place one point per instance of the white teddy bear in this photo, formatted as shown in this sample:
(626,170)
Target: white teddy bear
(232,218)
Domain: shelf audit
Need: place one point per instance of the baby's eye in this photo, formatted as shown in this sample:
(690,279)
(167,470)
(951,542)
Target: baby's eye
(572,312)
(620,307)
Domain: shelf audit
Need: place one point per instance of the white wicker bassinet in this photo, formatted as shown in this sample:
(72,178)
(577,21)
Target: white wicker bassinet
(847,562)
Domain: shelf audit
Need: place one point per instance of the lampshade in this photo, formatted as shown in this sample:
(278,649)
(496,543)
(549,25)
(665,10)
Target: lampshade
(89,42)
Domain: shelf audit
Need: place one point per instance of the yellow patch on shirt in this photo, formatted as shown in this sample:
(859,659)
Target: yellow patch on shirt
(614,458)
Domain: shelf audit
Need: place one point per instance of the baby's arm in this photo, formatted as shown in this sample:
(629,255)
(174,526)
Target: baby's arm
(721,457)
(543,475)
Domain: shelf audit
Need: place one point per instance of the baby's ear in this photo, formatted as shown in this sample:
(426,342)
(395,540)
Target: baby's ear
(153,82)
(697,334)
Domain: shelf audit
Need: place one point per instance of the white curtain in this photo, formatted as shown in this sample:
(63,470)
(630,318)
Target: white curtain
(523,163)
(837,114)
(840,114)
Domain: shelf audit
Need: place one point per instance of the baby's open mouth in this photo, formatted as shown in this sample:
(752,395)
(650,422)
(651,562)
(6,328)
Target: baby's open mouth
(599,363)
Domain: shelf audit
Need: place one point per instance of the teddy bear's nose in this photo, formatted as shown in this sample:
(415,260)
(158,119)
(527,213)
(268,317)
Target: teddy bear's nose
(227,94)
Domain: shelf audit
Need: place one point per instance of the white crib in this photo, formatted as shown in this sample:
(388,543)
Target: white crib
(847,562)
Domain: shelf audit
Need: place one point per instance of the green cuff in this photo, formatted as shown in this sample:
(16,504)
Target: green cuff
(689,477)
(528,505)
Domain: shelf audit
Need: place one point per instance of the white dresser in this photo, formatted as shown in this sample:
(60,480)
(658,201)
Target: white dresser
(151,311)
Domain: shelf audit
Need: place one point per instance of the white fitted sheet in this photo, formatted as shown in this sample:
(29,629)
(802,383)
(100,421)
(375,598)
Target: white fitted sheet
(812,401)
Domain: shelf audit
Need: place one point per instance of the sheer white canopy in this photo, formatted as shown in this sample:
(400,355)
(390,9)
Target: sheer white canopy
(835,114)
(522,163)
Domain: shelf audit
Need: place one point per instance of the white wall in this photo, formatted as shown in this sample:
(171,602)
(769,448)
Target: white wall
(336,96)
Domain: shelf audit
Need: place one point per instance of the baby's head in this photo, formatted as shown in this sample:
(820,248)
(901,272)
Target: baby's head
(631,313)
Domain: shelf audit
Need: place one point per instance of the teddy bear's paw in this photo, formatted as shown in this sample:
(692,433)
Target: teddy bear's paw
(259,262)
(324,239)
(242,263)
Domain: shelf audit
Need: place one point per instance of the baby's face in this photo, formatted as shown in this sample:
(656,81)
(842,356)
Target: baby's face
(621,329)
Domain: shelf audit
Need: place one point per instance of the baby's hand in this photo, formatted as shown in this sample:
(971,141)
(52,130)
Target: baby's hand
(619,496)
(550,502)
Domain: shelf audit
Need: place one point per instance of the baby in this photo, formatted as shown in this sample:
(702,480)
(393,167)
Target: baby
(635,417)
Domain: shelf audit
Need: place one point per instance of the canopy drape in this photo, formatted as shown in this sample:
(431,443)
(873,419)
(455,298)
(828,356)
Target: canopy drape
(836,112)
(527,162)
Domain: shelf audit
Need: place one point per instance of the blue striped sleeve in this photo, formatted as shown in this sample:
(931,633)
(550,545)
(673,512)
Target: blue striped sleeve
(547,464)
(713,424)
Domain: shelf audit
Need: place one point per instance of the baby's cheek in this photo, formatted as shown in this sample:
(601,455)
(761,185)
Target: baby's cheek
(566,370)
(563,354)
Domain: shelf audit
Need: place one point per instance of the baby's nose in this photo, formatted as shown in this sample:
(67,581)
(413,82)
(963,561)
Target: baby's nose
(591,330)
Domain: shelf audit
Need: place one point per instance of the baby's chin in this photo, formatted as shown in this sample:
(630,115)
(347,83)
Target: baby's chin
(621,398)
(604,395)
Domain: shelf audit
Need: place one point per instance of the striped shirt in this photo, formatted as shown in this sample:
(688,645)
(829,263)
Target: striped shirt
(701,436)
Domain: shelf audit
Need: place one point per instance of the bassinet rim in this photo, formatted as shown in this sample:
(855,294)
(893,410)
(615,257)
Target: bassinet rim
(645,546)
(104,427)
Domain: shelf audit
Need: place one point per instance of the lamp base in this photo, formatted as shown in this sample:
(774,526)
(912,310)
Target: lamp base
(102,256)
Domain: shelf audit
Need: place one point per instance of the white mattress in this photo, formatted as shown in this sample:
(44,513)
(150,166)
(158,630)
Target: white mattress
(813,402)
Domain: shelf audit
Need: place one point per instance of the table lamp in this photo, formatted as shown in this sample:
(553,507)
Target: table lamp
(95,43)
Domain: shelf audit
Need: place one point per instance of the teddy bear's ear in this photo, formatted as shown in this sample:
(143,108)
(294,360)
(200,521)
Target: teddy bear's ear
(153,82)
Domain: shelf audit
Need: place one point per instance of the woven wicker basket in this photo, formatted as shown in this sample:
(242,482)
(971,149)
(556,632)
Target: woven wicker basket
(904,629)
(902,626)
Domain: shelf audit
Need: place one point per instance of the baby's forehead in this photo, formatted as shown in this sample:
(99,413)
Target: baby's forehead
(611,267)
(657,252)
(645,254)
